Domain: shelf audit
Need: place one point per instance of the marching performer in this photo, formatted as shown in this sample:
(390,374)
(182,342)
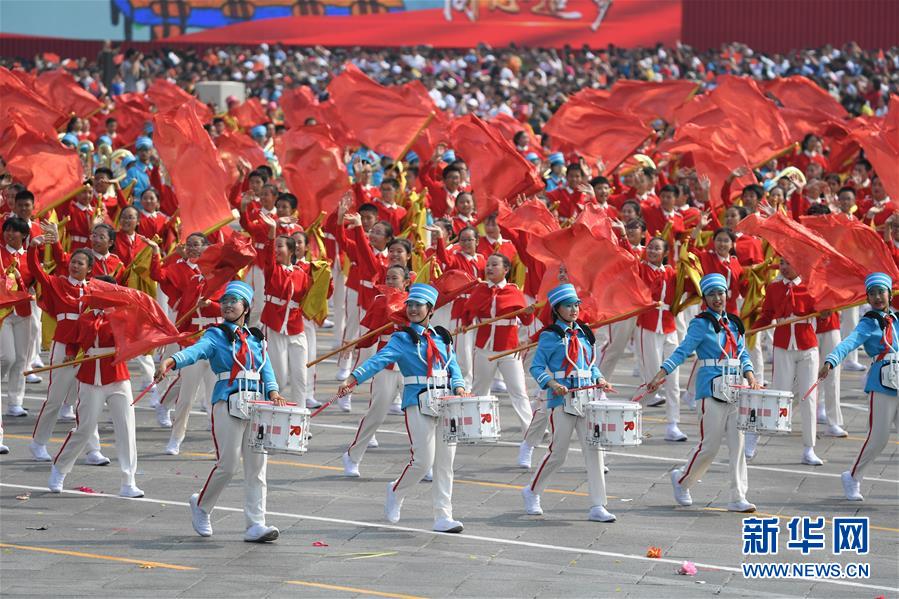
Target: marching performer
(565,359)
(238,357)
(877,332)
(427,361)
(717,338)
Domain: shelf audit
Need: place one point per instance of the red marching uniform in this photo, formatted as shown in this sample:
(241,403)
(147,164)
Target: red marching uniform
(731,270)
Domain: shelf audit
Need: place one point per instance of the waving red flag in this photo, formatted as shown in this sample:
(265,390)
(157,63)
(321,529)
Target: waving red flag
(802,93)
(168,96)
(62,91)
(249,114)
(649,100)
(385,119)
(198,175)
(299,104)
(221,262)
(530,219)
(312,165)
(498,171)
(233,145)
(855,240)
(16,96)
(833,280)
(132,113)
(452,284)
(881,146)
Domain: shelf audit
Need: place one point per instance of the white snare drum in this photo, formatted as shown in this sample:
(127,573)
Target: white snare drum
(764,411)
(471,420)
(614,423)
(279,429)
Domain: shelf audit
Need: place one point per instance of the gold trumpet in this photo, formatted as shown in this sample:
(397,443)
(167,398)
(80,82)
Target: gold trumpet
(86,154)
(117,162)
(104,155)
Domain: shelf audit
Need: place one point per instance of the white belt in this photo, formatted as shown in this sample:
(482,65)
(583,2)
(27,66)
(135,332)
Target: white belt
(365,283)
(416,380)
(328,236)
(579,373)
(292,305)
(78,238)
(505,322)
(226,376)
(96,351)
(384,338)
(202,321)
(259,246)
(67,316)
(730,363)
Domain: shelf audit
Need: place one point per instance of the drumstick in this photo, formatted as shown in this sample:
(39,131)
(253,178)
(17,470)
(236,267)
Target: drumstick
(812,388)
(608,389)
(330,401)
(637,398)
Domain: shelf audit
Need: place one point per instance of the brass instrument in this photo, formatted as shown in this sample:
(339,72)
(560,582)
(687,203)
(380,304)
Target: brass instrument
(104,155)
(86,154)
(117,162)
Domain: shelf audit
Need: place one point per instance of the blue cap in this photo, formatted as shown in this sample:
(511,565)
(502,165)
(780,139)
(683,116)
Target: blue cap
(104,139)
(143,143)
(148,127)
(423,294)
(411,157)
(449,156)
(70,139)
(709,283)
(241,290)
(564,293)
(258,131)
(556,158)
(532,157)
(878,279)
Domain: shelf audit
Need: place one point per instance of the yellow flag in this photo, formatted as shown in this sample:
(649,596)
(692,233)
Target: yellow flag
(315,304)
(12,283)
(138,273)
(426,270)
(757,278)
(519,272)
(689,272)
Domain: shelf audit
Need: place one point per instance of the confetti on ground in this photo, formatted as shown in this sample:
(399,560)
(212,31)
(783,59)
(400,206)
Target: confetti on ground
(42,527)
(24,497)
(687,569)
(654,552)
(147,566)
(319,544)
(85,490)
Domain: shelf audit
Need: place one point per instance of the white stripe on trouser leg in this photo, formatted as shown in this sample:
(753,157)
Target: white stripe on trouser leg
(311,354)
(196,380)
(428,449)
(62,386)
(18,344)
(288,356)
(617,337)
(796,370)
(92,398)
(563,425)
(232,441)
(883,412)
(653,347)
(384,387)
(512,370)
(829,388)
(717,421)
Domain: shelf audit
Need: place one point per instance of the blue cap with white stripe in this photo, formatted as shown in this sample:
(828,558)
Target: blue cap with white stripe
(556,158)
(878,279)
(709,283)
(241,290)
(422,294)
(565,293)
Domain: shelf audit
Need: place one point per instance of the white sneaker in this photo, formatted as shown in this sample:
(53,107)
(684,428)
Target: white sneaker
(163,417)
(851,487)
(835,430)
(396,409)
(327,324)
(531,502)
(822,417)
(173,448)
(598,513)
(95,458)
(853,366)
(429,476)
(130,491)
(33,379)
(681,495)
(810,459)
(525,454)
(498,387)
(199,518)
(345,403)
(3,449)
(392,505)
(342,374)
(56,480)
(312,403)
(260,533)
(751,442)
(67,413)
(657,400)
(39,452)
(673,433)
(38,363)
(742,506)
(350,468)
(153,393)
(373,443)
(447,525)
(16,411)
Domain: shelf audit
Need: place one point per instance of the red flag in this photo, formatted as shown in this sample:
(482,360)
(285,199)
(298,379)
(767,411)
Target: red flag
(452,284)
(833,280)
(132,113)
(498,171)
(802,93)
(37,112)
(62,91)
(233,145)
(649,100)
(198,175)
(313,168)
(168,96)
(530,219)
(299,104)
(249,114)
(385,119)
(137,321)
(855,240)
(881,145)
(51,171)
(221,262)
(508,126)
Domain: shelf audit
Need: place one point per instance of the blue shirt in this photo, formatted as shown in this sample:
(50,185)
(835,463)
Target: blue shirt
(411,359)
(867,333)
(214,346)
(551,359)
(137,172)
(708,345)
(554,182)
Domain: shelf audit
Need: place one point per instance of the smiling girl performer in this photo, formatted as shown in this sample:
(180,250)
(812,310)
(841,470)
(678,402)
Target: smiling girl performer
(426,359)
(717,338)
(877,332)
(233,351)
(565,359)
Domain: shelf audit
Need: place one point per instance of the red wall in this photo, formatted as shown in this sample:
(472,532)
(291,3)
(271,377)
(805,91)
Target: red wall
(783,25)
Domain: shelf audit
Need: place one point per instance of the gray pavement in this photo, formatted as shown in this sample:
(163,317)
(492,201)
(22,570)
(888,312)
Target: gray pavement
(335,542)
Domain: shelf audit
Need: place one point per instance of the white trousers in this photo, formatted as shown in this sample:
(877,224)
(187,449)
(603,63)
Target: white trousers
(146,368)
(196,380)
(653,348)
(848,321)
(17,338)
(829,388)
(352,328)
(882,413)
(231,437)
(63,387)
(339,302)
(717,420)
(288,356)
(797,370)
(465,353)
(384,387)
(617,335)
(311,354)
(757,354)
(256,279)
(539,421)
(512,369)
(36,331)
(562,425)
(428,450)
(91,399)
